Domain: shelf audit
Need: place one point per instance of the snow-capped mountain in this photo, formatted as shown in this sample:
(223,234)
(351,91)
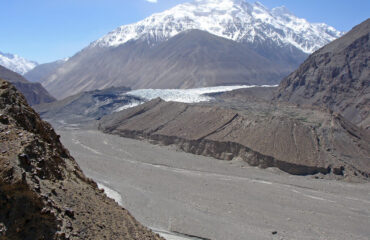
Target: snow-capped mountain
(16,63)
(237,20)
(203,43)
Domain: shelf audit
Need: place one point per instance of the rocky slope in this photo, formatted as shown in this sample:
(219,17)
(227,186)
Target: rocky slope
(190,59)
(298,141)
(35,93)
(43,193)
(337,76)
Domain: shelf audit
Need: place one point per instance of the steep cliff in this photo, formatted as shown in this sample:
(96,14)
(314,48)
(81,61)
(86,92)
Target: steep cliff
(43,192)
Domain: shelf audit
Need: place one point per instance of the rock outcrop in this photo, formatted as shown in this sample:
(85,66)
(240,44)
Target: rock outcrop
(35,93)
(298,141)
(336,76)
(43,192)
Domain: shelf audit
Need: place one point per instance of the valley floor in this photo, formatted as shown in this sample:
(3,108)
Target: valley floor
(199,196)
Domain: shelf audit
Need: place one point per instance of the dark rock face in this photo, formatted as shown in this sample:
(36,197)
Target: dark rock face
(190,59)
(86,107)
(43,192)
(298,141)
(337,76)
(35,93)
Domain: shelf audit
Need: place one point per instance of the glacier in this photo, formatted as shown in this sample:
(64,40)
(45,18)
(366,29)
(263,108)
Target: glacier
(193,95)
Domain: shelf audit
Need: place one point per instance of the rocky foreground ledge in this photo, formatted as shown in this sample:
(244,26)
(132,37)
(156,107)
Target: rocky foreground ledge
(43,192)
(297,141)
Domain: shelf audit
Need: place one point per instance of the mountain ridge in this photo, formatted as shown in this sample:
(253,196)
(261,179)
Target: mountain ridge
(16,63)
(218,16)
(336,76)
(34,92)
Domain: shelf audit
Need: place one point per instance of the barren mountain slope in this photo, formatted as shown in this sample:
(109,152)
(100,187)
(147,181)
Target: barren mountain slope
(190,59)
(35,93)
(43,192)
(42,71)
(336,76)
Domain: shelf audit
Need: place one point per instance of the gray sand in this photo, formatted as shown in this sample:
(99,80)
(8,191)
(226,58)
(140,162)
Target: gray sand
(200,196)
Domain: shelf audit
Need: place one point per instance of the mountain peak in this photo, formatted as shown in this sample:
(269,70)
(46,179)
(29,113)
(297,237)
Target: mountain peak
(282,10)
(237,20)
(16,63)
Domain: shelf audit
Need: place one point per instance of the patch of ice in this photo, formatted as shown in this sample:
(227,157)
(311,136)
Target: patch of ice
(111,193)
(172,236)
(130,105)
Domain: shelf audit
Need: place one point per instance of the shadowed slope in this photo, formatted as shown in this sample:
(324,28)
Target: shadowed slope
(43,192)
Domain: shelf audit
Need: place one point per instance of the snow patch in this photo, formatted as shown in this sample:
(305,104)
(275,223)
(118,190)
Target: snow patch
(16,63)
(130,105)
(111,193)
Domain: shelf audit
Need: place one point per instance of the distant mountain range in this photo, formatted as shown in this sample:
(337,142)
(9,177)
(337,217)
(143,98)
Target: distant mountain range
(16,63)
(244,44)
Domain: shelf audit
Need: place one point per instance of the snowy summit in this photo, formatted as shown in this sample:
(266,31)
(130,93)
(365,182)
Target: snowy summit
(237,20)
(16,63)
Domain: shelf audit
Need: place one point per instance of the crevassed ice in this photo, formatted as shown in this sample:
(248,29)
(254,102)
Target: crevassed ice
(184,95)
(193,95)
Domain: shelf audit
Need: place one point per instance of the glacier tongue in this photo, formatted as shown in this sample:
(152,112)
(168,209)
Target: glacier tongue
(186,95)
(193,95)
(237,20)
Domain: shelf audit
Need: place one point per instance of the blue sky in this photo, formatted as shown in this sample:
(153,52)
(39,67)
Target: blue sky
(48,30)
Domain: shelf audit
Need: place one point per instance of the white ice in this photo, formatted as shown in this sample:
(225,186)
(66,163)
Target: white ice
(186,95)
(111,193)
